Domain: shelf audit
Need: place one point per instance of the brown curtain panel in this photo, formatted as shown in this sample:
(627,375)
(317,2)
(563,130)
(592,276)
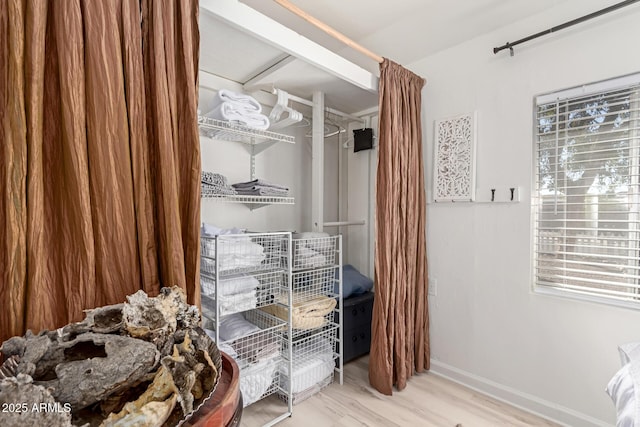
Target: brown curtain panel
(99,155)
(400,328)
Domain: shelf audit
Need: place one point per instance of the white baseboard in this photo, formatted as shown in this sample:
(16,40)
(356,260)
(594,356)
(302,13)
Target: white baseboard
(527,402)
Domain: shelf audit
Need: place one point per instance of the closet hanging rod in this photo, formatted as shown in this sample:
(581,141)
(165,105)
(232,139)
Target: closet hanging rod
(616,6)
(341,223)
(329,30)
(327,109)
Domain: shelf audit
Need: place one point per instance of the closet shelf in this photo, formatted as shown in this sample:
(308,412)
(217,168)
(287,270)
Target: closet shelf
(251,201)
(228,131)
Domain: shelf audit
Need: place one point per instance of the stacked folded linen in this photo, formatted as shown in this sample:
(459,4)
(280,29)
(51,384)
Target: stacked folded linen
(230,304)
(257,355)
(313,362)
(227,287)
(210,230)
(233,251)
(236,294)
(256,378)
(236,303)
(238,108)
(244,101)
(312,250)
(307,258)
(236,255)
(238,285)
(216,184)
(260,187)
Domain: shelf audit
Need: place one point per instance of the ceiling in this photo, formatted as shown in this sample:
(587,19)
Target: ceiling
(402,30)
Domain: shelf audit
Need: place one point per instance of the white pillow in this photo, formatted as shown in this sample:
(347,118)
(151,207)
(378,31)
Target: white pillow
(622,392)
(629,352)
(624,387)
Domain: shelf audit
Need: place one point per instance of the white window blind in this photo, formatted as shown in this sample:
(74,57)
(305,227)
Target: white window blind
(587,190)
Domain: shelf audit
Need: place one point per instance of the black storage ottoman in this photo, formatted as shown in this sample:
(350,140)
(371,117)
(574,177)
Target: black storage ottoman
(357,312)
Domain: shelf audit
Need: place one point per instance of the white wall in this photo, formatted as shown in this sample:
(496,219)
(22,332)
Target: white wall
(286,164)
(360,179)
(488,329)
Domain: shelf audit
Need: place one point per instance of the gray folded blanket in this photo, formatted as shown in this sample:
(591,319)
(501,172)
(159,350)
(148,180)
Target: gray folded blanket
(263,191)
(258,183)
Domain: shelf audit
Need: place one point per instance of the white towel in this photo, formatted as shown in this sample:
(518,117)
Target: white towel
(238,302)
(247,102)
(233,252)
(210,230)
(255,379)
(227,287)
(312,363)
(235,113)
(308,258)
(238,285)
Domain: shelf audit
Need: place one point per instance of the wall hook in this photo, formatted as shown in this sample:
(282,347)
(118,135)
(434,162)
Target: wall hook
(512,192)
(493,194)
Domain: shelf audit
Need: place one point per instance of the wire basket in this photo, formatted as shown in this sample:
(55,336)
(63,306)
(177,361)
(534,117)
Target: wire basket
(313,252)
(328,324)
(313,361)
(307,393)
(242,292)
(233,254)
(308,317)
(259,380)
(307,284)
(258,355)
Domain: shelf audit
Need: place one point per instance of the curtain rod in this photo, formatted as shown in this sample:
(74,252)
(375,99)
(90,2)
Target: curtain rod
(327,29)
(563,26)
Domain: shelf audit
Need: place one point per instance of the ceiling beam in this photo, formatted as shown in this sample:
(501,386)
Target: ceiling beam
(250,21)
(261,80)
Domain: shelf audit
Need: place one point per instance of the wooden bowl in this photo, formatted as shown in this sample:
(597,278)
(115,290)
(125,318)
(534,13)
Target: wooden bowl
(224,407)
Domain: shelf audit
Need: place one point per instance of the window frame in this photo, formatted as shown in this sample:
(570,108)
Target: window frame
(608,85)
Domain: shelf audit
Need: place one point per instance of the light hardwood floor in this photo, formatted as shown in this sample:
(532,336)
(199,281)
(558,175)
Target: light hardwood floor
(428,400)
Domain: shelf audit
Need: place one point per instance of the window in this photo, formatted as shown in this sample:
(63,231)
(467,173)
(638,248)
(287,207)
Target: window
(587,190)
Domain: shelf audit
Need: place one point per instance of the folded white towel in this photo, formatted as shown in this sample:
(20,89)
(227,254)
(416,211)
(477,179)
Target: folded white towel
(312,363)
(255,379)
(211,230)
(226,287)
(247,102)
(238,302)
(233,252)
(303,257)
(234,113)
(238,285)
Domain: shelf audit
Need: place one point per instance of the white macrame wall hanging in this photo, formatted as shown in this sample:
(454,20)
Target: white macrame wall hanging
(454,172)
